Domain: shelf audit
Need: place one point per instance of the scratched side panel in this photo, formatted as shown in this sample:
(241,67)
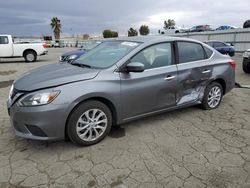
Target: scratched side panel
(193,77)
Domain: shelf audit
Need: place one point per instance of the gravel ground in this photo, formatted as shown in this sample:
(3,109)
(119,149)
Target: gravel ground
(184,148)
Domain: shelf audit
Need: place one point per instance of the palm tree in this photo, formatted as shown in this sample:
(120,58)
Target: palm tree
(168,23)
(56,26)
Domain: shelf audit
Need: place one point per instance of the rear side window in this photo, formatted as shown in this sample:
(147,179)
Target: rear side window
(208,52)
(218,44)
(190,51)
(4,40)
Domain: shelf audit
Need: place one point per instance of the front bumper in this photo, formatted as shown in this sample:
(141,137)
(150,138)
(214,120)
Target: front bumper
(40,123)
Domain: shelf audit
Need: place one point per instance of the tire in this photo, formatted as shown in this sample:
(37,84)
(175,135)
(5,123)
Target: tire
(246,68)
(82,116)
(30,56)
(231,54)
(212,89)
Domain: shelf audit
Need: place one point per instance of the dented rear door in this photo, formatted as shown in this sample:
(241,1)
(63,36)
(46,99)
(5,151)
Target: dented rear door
(193,72)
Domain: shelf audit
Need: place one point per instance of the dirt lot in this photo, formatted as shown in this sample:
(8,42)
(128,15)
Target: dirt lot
(184,148)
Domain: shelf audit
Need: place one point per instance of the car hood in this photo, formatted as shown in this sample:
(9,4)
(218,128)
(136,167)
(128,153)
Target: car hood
(75,52)
(53,75)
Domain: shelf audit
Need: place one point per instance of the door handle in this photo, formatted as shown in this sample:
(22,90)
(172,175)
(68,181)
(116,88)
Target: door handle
(206,71)
(169,77)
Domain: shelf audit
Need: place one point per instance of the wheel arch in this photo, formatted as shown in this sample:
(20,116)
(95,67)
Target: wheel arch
(222,82)
(29,50)
(103,100)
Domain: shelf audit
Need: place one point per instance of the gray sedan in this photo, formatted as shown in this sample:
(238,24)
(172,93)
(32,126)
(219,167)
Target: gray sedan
(118,81)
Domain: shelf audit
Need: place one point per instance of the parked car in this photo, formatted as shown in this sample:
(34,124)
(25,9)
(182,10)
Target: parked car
(225,27)
(200,28)
(118,81)
(72,55)
(246,24)
(222,47)
(56,45)
(246,61)
(30,51)
(47,44)
(173,29)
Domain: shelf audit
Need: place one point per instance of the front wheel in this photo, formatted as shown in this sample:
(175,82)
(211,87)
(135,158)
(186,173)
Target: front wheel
(30,56)
(89,123)
(212,96)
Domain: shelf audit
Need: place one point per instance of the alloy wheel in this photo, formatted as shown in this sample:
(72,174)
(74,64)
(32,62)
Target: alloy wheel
(214,97)
(91,125)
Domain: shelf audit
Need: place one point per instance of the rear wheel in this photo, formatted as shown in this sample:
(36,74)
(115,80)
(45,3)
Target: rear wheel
(89,123)
(30,56)
(212,96)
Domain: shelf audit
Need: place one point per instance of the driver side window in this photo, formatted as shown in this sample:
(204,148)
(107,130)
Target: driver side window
(155,56)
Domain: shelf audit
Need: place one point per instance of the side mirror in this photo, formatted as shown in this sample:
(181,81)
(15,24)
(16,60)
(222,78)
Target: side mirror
(134,67)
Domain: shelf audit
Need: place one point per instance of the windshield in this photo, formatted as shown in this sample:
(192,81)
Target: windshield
(90,44)
(106,54)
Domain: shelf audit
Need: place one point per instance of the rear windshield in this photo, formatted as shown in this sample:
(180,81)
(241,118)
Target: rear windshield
(107,53)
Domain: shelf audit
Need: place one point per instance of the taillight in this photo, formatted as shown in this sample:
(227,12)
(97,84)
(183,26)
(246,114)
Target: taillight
(44,45)
(232,63)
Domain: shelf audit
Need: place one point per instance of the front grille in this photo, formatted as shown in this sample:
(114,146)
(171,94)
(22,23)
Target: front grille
(61,58)
(64,58)
(13,94)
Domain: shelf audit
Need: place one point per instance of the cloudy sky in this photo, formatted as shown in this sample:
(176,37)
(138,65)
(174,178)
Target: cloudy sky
(32,17)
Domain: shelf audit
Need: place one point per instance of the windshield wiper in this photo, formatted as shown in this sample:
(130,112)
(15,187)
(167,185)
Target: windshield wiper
(81,65)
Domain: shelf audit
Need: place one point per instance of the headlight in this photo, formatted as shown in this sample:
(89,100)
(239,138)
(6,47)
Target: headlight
(11,91)
(246,54)
(72,57)
(36,99)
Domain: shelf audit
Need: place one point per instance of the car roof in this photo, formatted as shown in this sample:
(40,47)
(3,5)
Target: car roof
(154,39)
(213,41)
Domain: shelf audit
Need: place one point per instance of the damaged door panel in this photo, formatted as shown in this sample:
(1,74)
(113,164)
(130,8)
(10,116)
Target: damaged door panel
(192,81)
(193,72)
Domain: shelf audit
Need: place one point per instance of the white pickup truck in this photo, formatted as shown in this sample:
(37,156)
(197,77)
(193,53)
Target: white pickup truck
(172,30)
(30,51)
